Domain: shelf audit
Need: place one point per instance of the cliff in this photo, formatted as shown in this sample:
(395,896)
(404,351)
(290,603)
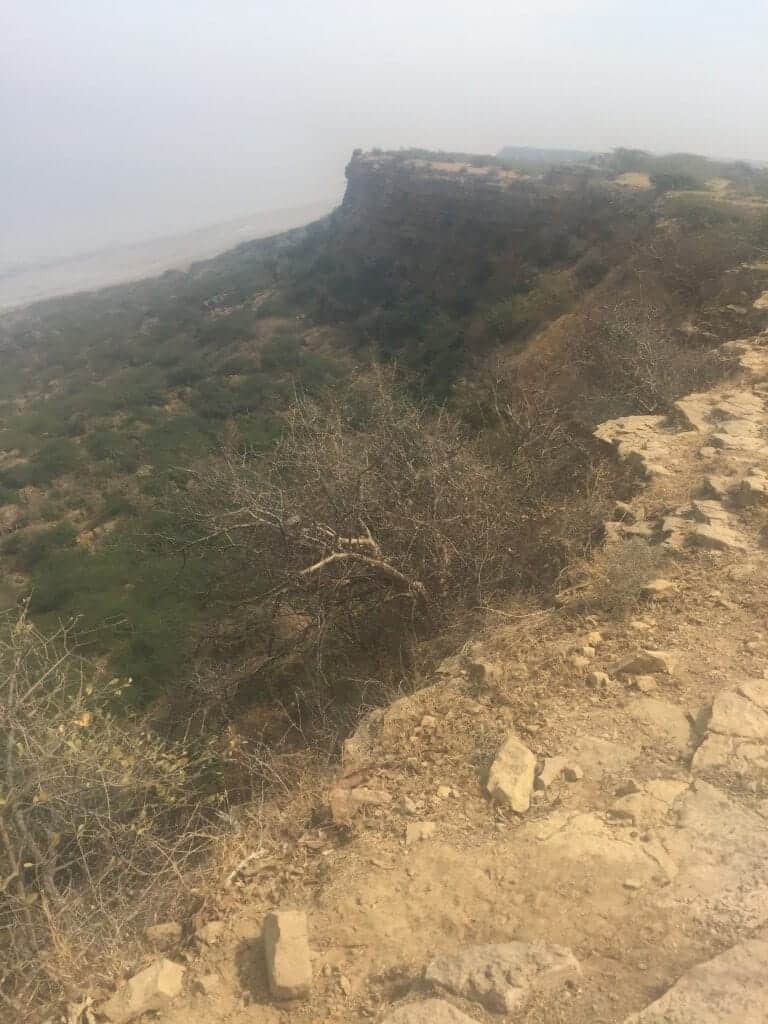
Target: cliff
(447,229)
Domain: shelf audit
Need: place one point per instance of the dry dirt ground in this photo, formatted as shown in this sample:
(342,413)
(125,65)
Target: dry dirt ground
(652,862)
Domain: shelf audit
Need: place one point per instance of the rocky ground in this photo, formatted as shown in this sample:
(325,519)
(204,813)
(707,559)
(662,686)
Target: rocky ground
(569,824)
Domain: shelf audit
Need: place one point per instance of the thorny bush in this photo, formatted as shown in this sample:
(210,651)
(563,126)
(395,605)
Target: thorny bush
(99,819)
(376,521)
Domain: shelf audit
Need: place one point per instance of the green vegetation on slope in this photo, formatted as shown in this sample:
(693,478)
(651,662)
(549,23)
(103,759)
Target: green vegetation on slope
(110,402)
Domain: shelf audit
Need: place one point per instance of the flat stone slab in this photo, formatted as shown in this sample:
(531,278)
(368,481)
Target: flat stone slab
(431,1011)
(502,977)
(731,989)
(667,721)
(736,715)
(720,847)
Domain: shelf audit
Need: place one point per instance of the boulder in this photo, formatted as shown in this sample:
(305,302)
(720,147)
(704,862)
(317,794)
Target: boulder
(286,949)
(151,989)
(502,977)
(730,989)
(431,1011)
(510,779)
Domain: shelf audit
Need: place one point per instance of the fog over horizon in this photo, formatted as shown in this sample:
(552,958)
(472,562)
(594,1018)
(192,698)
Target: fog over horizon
(145,119)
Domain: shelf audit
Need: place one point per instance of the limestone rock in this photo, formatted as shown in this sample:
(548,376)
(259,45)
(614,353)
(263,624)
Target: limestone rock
(164,936)
(151,989)
(720,847)
(502,977)
(510,779)
(730,989)
(756,690)
(649,808)
(735,715)
(715,538)
(647,662)
(286,949)
(666,721)
(735,756)
(431,1011)
(599,756)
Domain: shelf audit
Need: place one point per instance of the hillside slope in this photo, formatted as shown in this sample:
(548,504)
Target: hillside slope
(644,851)
(269,494)
(597,298)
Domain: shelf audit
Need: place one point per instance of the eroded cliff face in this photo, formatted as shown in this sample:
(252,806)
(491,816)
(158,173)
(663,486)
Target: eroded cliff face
(444,229)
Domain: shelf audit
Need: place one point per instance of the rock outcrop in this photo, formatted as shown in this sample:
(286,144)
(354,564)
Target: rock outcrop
(502,978)
(731,989)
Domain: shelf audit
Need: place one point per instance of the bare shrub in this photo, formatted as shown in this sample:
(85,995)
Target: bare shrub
(99,820)
(374,522)
(615,576)
(633,361)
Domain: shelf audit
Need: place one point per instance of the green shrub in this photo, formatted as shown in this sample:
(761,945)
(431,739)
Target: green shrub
(32,548)
(55,457)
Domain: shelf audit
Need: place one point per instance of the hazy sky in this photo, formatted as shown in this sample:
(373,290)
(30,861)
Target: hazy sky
(127,119)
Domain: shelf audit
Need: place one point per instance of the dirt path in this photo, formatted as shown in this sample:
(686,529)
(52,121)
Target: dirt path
(651,860)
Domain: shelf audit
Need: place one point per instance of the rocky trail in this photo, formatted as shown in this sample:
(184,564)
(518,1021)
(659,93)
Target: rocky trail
(569,824)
